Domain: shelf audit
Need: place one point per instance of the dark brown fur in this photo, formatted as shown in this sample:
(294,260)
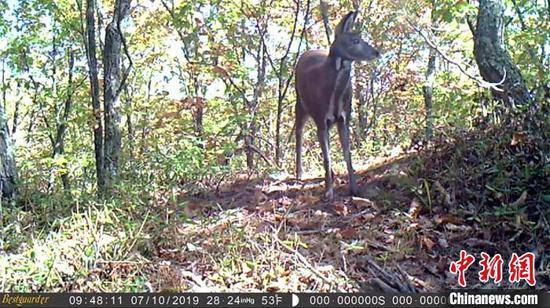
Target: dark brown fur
(323,87)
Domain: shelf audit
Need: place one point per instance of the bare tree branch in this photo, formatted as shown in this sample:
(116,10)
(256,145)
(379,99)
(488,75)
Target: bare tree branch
(306,19)
(181,35)
(478,80)
(127,53)
(324,15)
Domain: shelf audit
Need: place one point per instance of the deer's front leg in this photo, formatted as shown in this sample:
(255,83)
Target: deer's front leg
(301,118)
(322,135)
(343,131)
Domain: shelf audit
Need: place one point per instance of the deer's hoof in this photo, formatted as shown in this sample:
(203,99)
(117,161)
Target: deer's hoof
(353,190)
(329,195)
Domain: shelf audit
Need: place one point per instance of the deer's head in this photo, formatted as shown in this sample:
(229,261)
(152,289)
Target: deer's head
(350,45)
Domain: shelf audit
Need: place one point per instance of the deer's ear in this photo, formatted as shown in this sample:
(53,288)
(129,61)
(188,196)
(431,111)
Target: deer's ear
(346,24)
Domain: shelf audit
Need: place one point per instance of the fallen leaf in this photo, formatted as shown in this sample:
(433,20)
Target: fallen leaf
(285,201)
(309,199)
(476,242)
(192,247)
(521,200)
(192,209)
(368,216)
(442,242)
(263,227)
(518,137)
(448,218)
(444,192)
(341,209)
(452,227)
(364,203)
(348,233)
(414,209)
(426,241)
(259,197)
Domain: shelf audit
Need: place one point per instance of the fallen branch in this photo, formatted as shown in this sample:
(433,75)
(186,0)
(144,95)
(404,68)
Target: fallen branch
(304,261)
(408,278)
(382,285)
(389,282)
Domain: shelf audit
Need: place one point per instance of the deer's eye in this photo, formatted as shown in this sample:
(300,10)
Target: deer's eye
(355,41)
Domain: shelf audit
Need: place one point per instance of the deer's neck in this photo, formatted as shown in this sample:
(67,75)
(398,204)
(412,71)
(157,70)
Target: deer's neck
(338,62)
(341,68)
(342,73)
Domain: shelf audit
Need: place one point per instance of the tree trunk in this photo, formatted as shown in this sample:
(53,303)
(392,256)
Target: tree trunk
(428,92)
(59,145)
(258,91)
(427,89)
(94,91)
(4,88)
(130,129)
(278,148)
(492,58)
(112,86)
(287,68)
(7,162)
(197,111)
(144,119)
(324,14)
(15,118)
(374,105)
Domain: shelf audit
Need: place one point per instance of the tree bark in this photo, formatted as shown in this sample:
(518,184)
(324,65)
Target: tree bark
(7,163)
(113,83)
(15,118)
(130,127)
(59,145)
(252,106)
(197,110)
(428,92)
(90,42)
(427,89)
(324,14)
(4,83)
(284,81)
(492,58)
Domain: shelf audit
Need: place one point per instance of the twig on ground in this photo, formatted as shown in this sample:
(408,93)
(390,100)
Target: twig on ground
(382,285)
(304,261)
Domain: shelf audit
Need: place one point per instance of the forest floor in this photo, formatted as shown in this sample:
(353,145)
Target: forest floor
(279,235)
(482,191)
(263,234)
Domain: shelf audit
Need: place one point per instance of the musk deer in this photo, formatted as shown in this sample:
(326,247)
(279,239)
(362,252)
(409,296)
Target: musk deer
(323,89)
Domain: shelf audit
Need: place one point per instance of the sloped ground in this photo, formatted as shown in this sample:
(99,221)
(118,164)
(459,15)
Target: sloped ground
(483,191)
